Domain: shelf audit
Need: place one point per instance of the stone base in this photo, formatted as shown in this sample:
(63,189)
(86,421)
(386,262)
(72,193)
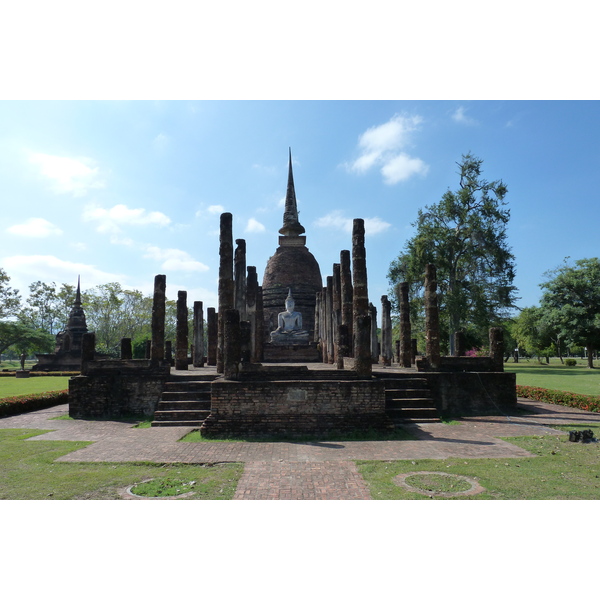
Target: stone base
(295,407)
(292,353)
(21,374)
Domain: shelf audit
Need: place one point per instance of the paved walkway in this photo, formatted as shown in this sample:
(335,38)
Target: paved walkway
(300,470)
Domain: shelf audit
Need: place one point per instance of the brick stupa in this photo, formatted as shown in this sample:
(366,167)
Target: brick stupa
(292,268)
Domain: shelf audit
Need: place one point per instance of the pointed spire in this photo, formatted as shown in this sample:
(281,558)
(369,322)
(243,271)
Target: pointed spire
(78,293)
(291,225)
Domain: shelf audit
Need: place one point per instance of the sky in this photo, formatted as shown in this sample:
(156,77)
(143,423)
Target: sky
(122,190)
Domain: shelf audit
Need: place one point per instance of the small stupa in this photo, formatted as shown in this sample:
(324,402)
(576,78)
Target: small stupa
(291,271)
(67,353)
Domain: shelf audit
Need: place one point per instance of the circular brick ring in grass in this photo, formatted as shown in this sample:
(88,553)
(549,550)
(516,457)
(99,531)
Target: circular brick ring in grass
(443,485)
(165,488)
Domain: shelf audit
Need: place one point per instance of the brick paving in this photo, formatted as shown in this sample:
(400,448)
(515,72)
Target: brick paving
(300,470)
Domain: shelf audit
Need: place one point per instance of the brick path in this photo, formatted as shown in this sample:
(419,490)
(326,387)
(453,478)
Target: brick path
(299,470)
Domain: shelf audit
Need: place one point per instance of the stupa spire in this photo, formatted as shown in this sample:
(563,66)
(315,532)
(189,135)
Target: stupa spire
(291,224)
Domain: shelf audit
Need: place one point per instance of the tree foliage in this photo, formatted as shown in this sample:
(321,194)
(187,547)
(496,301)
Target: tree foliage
(10,300)
(464,236)
(571,301)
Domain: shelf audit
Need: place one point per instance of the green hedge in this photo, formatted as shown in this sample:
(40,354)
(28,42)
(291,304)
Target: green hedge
(589,403)
(16,405)
(42,373)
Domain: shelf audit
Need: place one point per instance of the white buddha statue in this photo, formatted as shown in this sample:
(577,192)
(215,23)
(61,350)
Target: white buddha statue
(289,325)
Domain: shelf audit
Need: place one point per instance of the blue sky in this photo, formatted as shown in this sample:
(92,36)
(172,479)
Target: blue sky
(124,190)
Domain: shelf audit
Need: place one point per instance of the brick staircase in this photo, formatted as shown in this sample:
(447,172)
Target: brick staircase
(408,400)
(185,401)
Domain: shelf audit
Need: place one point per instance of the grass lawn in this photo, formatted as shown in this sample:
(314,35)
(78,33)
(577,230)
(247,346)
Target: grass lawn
(561,470)
(11,386)
(555,376)
(27,472)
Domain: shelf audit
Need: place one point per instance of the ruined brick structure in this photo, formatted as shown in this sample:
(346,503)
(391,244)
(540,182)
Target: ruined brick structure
(291,267)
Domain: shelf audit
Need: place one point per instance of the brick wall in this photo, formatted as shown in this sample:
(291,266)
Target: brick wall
(295,407)
(114,389)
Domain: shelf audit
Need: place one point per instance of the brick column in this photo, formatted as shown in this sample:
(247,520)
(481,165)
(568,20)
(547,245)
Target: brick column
(231,344)
(239,278)
(198,334)
(157,348)
(405,357)
(360,304)
(386,332)
(88,349)
(226,283)
(181,341)
(126,349)
(497,348)
(212,329)
(432,319)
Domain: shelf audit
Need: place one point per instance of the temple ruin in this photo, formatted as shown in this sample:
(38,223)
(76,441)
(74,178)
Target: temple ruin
(297,355)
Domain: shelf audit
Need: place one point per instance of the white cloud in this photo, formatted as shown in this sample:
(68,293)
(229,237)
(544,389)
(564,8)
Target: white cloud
(111,221)
(337,220)
(254,226)
(69,175)
(36,228)
(50,268)
(384,146)
(213,209)
(402,167)
(460,116)
(174,260)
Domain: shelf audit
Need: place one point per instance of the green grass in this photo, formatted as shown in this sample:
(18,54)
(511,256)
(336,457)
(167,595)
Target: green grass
(11,386)
(27,472)
(561,470)
(555,376)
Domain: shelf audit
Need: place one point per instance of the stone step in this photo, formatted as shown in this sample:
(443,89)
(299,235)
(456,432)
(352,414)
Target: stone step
(413,414)
(390,394)
(180,415)
(188,386)
(166,405)
(186,395)
(393,403)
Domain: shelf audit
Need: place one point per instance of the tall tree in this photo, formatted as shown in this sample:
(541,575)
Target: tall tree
(464,236)
(571,300)
(10,300)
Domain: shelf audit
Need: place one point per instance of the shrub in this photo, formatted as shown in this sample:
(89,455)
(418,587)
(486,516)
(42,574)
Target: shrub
(589,403)
(6,373)
(16,405)
(570,362)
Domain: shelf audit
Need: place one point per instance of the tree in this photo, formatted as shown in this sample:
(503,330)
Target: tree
(24,338)
(10,300)
(464,236)
(532,332)
(571,301)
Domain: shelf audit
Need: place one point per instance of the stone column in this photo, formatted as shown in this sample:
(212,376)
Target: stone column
(239,278)
(198,334)
(432,319)
(330,317)
(226,284)
(231,344)
(157,348)
(212,329)
(405,355)
(360,304)
(324,325)
(413,351)
(251,305)
(88,350)
(148,350)
(346,297)
(386,332)
(337,315)
(497,348)
(169,352)
(374,339)
(181,342)
(245,342)
(126,349)
(459,343)
(317,331)
(260,325)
